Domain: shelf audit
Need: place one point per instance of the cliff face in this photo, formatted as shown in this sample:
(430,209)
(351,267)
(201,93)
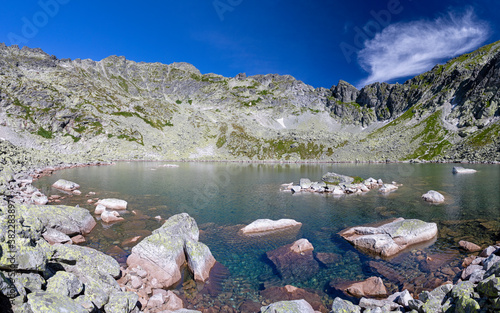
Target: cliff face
(116,108)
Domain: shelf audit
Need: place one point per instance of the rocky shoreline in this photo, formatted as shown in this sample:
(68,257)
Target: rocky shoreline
(480,293)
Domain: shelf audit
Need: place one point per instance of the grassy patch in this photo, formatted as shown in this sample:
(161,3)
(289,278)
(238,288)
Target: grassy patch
(45,133)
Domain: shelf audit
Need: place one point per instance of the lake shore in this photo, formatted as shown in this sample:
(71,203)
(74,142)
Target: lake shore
(24,168)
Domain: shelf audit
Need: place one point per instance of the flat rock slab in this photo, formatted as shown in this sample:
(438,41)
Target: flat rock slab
(65,185)
(267,225)
(113,204)
(388,239)
(462,170)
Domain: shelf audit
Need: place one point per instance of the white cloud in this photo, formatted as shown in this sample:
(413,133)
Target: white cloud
(406,49)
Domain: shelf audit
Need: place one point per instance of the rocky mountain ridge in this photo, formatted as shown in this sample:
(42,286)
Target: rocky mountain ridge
(121,109)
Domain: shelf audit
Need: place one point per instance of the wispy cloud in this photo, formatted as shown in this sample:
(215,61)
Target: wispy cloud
(406,49)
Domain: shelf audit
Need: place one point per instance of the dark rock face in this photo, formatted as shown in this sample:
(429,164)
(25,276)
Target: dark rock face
(291,264)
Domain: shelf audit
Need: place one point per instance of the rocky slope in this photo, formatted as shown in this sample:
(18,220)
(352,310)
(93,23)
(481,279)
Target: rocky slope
(120,109)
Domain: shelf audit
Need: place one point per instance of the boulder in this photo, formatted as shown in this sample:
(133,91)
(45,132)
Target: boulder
(344,306)
(163,252)
(461,170)
(48,302)
(65,283)
(289,292)
(433,197)
(93,268)
(54,236)
(296,189)
(113,204)
(386,188)
(469,246)
(328,259)
(293,262)
(372,287)
(66,219)
(267,225)
(386,305)
(305,183)
(294,306)
(336,179)
(39,198)
(99,209)
(65,185)
(121,302)
(391,237)
(111,217)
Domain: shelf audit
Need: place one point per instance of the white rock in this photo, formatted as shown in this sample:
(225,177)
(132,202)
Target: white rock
(99,209)
(388,188)
(265,225)
(461,170)
(296,189)
(301,245)
(113,204)
(65,185)
(110,217)
(433,197)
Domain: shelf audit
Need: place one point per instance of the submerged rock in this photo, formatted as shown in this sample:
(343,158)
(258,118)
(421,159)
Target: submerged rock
(433,197)
(461,170)
(295,260)
(372,287)
(65,185)
(390,238)
(469,246)
(267,225)
(165,251)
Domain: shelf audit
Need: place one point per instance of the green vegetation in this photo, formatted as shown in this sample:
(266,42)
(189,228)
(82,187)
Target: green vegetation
(358,180)
(432,139)
(178,101)
(45,133)
(126,114)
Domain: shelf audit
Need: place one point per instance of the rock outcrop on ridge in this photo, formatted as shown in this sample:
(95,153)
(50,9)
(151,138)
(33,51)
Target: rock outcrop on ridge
(119,109)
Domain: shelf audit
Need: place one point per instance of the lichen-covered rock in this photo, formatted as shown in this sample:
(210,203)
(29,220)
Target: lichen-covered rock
(267,225)
(66,219)
(48,302)
(200,259)
(122,302)
(391,237)
(293,306)
(466,304)
(163,253)
(65,185)
(489,287)
(336,179)
(65,283)
(93,268)
(463,289)
(54,236)
(344,306)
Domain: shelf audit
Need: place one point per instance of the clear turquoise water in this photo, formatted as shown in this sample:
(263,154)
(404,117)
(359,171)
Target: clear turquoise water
(222,195)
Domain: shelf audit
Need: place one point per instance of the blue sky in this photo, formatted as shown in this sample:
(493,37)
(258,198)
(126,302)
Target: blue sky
(318,42)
